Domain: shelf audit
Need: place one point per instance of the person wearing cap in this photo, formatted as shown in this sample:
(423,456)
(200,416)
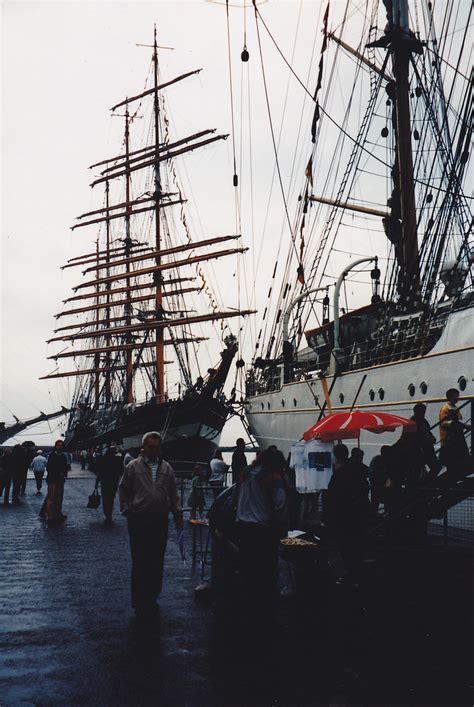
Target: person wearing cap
(38,467)
(148,494)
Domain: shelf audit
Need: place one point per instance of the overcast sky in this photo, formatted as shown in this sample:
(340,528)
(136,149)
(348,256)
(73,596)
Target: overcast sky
(64,64)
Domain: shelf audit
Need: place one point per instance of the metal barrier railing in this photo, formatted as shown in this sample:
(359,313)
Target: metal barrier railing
(199,501)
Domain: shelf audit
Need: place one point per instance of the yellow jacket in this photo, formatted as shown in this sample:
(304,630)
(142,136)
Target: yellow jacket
(444,422)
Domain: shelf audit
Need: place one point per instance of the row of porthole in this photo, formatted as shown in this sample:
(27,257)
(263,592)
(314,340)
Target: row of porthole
(295,403)
(462,383)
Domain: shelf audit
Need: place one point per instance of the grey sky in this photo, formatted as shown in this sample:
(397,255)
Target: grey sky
(64,65)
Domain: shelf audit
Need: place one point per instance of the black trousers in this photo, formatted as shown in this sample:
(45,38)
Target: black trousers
(108,496)
(22,475)
(217,488)
(10,482)
(148,537)
(258,567)
(39,479)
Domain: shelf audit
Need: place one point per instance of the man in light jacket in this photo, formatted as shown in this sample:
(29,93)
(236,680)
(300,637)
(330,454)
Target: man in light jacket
(148,493)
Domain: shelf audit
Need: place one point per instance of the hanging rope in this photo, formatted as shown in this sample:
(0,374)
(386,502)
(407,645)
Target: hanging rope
(275,151)
(229,55)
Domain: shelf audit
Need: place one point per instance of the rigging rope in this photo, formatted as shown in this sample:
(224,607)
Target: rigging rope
(229,55)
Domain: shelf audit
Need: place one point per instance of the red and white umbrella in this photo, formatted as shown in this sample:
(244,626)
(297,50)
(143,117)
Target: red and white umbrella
(347,425)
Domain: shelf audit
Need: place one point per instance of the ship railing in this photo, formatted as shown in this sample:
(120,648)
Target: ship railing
(404,345)
(441,508)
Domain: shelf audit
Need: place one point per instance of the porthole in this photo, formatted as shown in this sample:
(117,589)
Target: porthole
(341,397)
(283,403)
(295,402)
(411,390)
(423,387)
(462,383)
(372,394)
(381,393)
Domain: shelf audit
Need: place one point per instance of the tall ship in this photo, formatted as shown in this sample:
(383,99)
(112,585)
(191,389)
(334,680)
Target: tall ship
(133,326)
(371,306)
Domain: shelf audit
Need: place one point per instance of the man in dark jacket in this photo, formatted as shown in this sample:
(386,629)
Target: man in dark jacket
(8,467)
(20,469)
(357,463)
(425,438)
(24,461)
(57,469)
(348,509)
(109,469)
(239,460)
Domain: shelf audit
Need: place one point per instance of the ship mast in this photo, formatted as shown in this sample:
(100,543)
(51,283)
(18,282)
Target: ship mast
(97,356)
(401,226)
(128,244)
(108,392)
(403,46)
(159,348)
(131,333)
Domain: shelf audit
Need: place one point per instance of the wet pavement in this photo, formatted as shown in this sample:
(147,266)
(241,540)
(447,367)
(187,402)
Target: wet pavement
(67,634)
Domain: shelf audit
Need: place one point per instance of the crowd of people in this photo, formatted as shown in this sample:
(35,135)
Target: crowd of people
(257,512)
(14,464)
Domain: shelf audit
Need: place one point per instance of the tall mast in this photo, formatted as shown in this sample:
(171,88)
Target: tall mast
(108,392)
(97,356)
(403,46)
(400,225)
(159,349)
(128,245)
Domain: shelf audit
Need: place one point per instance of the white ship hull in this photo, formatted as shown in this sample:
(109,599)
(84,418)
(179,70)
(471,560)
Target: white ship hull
(281,416)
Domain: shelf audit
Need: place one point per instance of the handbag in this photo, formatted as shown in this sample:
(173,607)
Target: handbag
(94,500)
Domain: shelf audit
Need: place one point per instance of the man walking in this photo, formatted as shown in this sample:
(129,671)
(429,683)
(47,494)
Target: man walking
(8,466)
(109,471)
(20,470)
(38,467)
(148,493)
(57,467)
